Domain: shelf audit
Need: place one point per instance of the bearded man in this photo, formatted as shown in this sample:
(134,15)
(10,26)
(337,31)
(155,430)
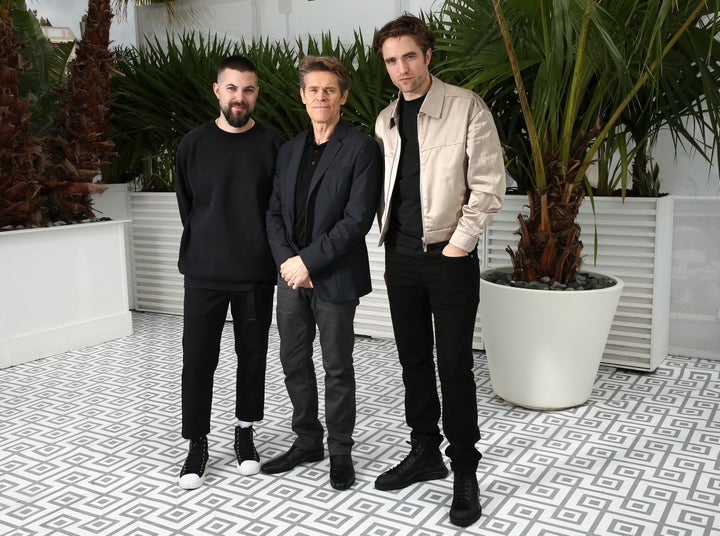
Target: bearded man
(224,178)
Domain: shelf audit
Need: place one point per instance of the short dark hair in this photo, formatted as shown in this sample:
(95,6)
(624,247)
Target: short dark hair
(237,63)
(324,63)
(405,25)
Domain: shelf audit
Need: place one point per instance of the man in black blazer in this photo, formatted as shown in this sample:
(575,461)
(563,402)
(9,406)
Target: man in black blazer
(325,194)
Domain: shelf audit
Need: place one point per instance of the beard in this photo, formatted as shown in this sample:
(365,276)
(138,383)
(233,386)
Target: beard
(237,119)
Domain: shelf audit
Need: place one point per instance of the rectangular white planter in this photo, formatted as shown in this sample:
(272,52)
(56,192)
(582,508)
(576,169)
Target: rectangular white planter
(62,288)
(156,232)
(634,243)
(114,203)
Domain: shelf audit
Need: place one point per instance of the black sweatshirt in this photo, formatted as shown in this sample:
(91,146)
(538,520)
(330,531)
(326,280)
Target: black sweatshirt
(223,183)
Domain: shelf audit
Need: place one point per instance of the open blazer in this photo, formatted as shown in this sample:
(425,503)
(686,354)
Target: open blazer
(345,189)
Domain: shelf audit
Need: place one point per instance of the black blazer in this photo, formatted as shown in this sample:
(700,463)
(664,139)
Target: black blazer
(345,188)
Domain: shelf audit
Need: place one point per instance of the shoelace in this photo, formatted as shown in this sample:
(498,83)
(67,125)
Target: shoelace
(196,457)
(409,459)
(462,490)
(245,444)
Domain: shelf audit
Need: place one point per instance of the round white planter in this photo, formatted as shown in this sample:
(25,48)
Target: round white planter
(544,346)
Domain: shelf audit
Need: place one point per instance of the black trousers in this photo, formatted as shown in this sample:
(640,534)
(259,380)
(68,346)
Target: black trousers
(298,312)
(204,317)
(440,292)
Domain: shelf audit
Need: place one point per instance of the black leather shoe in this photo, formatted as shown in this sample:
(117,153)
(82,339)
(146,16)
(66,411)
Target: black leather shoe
(342,472)
(422,463)
(465,509)
(292,458)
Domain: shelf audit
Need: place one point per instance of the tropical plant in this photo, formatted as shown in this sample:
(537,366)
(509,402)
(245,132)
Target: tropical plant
(164,90)
(50,179)
(81,143)
(683,97)
(44,71)
(21,197)
(573,73)
(161,93)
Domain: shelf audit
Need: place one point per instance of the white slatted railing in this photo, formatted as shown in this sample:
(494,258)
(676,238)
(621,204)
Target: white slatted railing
(635,244)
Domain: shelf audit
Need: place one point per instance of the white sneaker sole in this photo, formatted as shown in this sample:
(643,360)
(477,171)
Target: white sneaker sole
(191,481)
(248,467)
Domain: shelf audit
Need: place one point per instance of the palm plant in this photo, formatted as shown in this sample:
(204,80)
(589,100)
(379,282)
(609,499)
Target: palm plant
(50,179)
(21,198)
(572,73)
(684,98)
(81,143)
(163,91)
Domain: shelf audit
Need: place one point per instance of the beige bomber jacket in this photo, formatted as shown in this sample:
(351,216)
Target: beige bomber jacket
(462,174)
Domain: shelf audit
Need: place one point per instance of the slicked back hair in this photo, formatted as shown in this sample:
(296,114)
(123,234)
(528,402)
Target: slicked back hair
(327,64)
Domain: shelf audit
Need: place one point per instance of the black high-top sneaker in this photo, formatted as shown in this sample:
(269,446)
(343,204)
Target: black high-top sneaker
(248,459)
(422,463)
(192,474)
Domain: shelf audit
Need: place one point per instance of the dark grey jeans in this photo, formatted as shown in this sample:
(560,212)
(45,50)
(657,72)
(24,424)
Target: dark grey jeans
(298,313)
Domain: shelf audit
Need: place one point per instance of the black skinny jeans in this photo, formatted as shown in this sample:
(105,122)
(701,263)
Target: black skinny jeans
(446,290)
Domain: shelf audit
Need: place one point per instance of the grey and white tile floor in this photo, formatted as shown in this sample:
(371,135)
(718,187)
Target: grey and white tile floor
(89,445)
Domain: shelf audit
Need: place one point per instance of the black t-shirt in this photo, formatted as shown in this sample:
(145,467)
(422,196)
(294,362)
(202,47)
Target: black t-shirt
(405,230)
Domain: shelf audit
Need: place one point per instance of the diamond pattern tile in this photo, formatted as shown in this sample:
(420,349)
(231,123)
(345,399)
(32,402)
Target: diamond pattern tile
(90,445)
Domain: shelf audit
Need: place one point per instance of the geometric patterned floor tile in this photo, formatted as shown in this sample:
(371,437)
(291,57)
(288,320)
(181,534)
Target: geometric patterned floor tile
(90,445)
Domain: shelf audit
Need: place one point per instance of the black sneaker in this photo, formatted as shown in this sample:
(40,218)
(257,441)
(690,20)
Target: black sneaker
(422,463)
(192,474)
(465,509)
(248,459)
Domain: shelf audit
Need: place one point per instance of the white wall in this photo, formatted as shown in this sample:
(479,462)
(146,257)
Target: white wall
(686,175)
(276,19)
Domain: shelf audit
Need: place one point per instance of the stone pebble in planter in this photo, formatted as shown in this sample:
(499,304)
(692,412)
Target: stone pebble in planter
(55,224)
(581,281)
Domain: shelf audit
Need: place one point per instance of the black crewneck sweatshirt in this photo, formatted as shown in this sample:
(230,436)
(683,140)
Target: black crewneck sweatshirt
(223,183)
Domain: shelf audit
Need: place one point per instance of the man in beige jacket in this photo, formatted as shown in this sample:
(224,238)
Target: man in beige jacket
(444,181)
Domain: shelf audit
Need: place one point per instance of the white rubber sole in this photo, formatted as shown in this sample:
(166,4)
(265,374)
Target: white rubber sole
(248,467)
(191,481)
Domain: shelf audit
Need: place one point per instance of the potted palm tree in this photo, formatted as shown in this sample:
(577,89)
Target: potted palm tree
(572,80)
(63,285)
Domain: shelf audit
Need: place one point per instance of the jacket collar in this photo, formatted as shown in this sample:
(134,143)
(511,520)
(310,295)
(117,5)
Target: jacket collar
(338,133)
(432,105)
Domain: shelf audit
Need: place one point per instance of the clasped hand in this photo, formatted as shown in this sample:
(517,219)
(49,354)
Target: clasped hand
(295,274)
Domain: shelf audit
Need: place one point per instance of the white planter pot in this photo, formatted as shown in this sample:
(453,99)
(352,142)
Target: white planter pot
(544,347)
(63,288)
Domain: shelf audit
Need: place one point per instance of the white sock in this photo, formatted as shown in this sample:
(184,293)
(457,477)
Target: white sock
(243,424)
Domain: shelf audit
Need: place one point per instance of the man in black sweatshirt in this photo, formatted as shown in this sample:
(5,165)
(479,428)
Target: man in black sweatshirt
(224,176)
